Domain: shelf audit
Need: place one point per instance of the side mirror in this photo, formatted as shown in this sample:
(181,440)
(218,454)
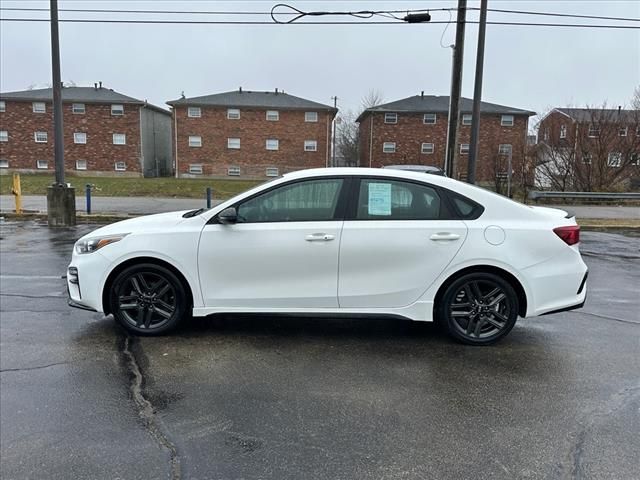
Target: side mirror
(228,216)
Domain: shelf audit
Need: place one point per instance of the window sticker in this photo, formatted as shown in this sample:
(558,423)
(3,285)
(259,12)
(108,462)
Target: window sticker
(379,199)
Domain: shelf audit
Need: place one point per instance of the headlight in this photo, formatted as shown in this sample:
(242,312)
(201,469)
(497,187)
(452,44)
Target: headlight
(92,244)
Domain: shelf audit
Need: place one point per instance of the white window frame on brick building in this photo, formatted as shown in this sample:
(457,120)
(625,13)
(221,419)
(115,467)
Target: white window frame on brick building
(195,141)
(40,137)
(80,138)
(117,109)
(466,119)
(464,149)
(233,171)
(272,144)
(427,148)
(39,107)
(3,106)
(196,169)
(594,131)
(391,117)
(233,143)
(4,163)
(233,114)
(430,118)
(42,164)
(623,131)
(563,131)
(586,158)
(272,115)
(614,159)
(634,158)
(507,120)
(120,166)
(194,112)
(389,147)
(310,146)
(4,136)
(78,108)
(272,172)
(311,117)
(81,164)
(505,149)
(119,139)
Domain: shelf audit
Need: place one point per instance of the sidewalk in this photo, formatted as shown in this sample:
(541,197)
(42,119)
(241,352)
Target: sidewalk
(146,205)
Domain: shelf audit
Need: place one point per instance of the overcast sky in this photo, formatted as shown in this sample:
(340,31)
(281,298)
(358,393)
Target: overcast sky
(525,67)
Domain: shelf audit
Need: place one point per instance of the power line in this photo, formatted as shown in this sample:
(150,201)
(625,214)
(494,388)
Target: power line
(349,22)
(566,15)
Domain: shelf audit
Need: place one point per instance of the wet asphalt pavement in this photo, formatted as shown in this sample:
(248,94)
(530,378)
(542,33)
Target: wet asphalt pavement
(267,398)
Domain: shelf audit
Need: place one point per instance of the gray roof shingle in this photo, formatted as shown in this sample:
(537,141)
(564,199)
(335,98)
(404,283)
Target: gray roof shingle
(247,98)
(584,115)
(440,104)
(77,94)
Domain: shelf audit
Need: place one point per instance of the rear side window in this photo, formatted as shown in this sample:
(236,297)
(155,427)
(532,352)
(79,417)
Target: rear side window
(465,208)
(311,200)
(382,199)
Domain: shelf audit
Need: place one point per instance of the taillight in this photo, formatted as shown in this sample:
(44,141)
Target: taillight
(570,234)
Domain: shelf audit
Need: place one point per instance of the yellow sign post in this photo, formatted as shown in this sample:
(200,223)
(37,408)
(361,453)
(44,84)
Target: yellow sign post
(17,192)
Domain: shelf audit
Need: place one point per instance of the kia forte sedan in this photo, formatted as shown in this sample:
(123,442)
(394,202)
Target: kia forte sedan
(338,242)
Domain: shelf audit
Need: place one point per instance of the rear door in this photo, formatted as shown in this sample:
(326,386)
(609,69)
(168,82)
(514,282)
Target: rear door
(399,236)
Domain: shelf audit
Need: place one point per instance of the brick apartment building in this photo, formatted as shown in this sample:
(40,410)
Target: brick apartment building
(105,132)
(250,134)
(588,148)
(413,131)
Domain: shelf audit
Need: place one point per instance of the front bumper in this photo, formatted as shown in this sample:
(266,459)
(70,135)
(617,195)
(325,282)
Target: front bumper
(85,279)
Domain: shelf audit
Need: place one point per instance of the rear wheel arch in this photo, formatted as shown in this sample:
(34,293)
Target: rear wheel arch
(106,307)
(510,278)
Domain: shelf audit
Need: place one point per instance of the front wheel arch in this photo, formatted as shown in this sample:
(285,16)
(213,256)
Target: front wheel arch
(513,281)
(106,307)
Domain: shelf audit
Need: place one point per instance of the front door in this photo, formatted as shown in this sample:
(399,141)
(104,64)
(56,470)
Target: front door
(397,243)
(282,252)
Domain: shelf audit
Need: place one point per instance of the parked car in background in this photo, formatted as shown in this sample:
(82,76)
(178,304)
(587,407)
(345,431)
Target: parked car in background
(349,241)
(418,168)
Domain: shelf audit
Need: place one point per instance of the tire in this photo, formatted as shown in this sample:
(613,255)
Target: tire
(478,308)
(148,299)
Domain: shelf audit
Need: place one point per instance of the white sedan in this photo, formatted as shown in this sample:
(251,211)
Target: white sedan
(348,241)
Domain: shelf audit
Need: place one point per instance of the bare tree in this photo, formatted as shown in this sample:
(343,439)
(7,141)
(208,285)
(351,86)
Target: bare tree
(373,98)
(635,100)
(347,139)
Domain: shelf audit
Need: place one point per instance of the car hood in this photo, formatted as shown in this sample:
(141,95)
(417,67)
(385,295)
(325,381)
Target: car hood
(159,221)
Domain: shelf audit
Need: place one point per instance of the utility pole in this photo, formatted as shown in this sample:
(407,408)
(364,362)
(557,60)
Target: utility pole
(477,97)
(333,134)
(456,86)
(61,202)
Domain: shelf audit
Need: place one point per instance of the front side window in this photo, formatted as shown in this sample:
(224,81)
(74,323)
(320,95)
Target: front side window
(390,118)
(39,107)
(41,137)
(381,199)
(119,139)
(80,137)
(310,200)
(117,109)
(78,108)
(233,113)
(506,120)
(194,112)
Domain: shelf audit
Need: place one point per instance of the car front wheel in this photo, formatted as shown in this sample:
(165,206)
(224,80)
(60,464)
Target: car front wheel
(148,299)
(479,308)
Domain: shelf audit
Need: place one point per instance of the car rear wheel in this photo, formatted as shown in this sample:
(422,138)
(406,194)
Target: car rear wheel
(148,299)
(479,308)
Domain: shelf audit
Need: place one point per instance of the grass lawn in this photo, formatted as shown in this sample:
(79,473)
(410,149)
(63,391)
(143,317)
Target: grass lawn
(36,184)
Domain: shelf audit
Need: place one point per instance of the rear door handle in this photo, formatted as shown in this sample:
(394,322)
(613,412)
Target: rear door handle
(444,237)
(319,237)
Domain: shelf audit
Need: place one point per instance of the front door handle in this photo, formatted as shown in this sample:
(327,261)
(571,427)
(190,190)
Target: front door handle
(444,237)
(319,237)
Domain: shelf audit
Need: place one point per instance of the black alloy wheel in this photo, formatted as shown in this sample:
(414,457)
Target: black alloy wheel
(479,308)
(148,299)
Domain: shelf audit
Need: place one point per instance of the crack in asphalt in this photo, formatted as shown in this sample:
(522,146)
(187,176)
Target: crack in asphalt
(32,368)
(615,319)
(146,410)
(616,402)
